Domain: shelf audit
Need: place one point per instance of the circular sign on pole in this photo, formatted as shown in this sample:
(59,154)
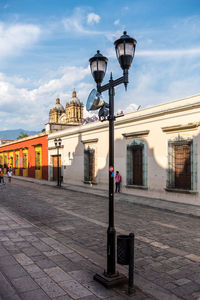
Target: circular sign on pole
(111,169)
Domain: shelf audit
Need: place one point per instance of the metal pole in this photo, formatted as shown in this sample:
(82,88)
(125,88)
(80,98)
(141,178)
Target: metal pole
(111,229)
(58,179)
(111,278)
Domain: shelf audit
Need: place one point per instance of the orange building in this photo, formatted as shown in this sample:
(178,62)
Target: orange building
(27,157)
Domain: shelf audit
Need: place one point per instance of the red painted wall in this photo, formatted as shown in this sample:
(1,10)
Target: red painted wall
(18,146)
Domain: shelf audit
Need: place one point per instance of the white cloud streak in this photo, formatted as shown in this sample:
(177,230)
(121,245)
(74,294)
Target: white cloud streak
(77,23)
(166,54)
(15,38)
(169,53)
(116,22)
(93,18)
(23,107)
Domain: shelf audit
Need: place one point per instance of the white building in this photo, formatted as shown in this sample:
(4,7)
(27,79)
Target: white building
(157,152)
(5,141)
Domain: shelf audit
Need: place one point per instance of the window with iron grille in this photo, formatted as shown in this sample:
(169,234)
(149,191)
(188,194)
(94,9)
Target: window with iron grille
(89,165)
(182,163)
(136,163)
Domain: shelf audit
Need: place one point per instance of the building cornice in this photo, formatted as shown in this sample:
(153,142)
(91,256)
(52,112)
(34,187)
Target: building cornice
(136,134)
(89,141)
(54,147)
(181,128)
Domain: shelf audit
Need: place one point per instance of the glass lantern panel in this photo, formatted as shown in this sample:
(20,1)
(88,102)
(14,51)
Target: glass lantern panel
(102,66)
(94,66)
(129,49)
(120,49)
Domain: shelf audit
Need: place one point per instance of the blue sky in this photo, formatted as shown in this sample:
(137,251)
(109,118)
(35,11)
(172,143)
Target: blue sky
(45,46)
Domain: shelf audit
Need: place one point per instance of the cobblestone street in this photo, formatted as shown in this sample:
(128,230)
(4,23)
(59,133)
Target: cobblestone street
(52,242)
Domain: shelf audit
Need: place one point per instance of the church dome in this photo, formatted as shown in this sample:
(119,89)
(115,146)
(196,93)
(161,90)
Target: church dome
(58,106)
(74,98)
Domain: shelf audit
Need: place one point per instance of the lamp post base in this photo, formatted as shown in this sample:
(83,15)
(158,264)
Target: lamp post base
(110,281)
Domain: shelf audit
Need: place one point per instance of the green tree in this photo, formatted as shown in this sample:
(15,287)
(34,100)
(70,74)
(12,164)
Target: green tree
(22,135)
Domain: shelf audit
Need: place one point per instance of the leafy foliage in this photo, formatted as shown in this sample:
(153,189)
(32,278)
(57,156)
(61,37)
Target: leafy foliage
(22,135)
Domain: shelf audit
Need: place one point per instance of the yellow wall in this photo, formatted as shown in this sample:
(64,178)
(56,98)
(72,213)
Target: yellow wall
(1,159)
(11,159)
(38,166)
(25,163)
(5,162)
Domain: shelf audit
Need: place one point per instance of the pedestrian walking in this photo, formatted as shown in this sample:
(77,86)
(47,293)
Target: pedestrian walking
(1,176)
(9,175)
(117,182)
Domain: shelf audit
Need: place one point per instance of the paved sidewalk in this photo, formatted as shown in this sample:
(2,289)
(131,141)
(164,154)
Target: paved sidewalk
(73,225)
(36,266)
(184,209)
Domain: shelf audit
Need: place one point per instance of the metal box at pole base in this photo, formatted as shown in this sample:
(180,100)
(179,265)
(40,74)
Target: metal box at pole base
(125,256)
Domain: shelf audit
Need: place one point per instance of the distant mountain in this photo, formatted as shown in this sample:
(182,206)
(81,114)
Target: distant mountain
(13,134)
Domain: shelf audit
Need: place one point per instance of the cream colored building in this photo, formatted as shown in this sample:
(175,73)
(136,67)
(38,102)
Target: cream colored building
(157,152)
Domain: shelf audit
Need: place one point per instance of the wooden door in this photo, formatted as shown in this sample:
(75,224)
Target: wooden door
(92,166)
(183,167)
(25,163)
(137,166)
(38,162)
(89,165)
(55,167)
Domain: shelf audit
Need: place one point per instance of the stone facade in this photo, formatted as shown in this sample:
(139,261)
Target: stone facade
(56,112)
(71,115)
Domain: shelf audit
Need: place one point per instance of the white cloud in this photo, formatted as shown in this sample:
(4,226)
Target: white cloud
(89,114)
(16,80)
(164,54)
(167,72)
(169,53)
(93,18)
(116,22)
(15,38)
(21,107)
(68,79)
(130,108)
(156,83)
(77,23)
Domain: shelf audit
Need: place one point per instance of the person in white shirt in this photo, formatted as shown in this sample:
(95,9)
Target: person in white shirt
(9,175)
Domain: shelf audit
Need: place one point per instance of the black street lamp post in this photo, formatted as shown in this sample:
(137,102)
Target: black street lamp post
(57,143)
(125,49)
